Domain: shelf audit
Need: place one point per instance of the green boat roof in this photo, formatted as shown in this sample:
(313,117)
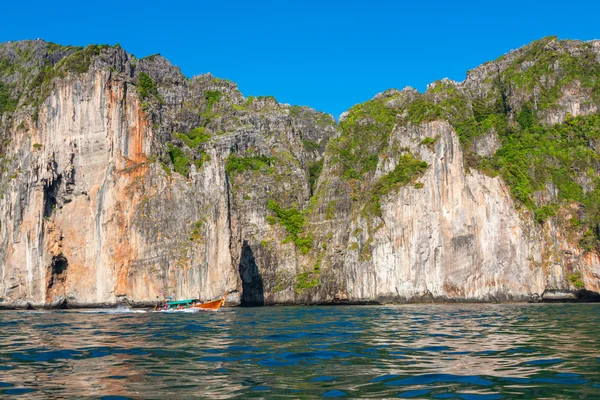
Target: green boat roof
(174,303)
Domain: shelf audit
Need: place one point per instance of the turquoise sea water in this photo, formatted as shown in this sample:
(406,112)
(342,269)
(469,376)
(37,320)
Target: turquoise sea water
(476,351)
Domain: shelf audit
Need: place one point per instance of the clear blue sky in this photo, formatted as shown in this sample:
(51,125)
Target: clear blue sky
(329,55)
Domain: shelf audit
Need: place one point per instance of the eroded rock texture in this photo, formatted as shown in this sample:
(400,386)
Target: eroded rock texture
(122,178)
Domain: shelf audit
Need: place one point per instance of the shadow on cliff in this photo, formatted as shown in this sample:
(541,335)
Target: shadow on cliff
(252,283)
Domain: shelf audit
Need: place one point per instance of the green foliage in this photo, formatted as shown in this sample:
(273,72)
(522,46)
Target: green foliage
(249,101)
(237,164)
(309,145)
(422,110)
(317,266)
(542,62)
(367,127)
(304,243)
(200,157)
(295,111)
(483,110)
(198,162)
(54,47)
(195,137)
(314,171)
(212,97)
(534,160)
(366,130)
(306,280)
(165,168)
(407,170)
(560,155)
(590,240)
(526,118)
(180,161)
(36,88)
(543,213)
(151,57)
(293,221)
(79,62)
(146,86)
(7,103)
(430,142)
(576,280)
(441,101)
(196,235)
(37,146)
(40,86)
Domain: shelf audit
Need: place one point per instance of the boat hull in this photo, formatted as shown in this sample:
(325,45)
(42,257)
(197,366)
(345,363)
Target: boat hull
(212,305)
(207,306)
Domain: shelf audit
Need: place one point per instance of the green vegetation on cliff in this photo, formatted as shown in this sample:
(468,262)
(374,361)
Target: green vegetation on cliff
(194,138)
(146,86)
(293,221)
(212,97)
(239,164)
(306,280)
(7,103)
(407,170)
(576,280)
(550,65)
(560,154)
(180,161)
(546,166)
(32,71)
(549,168)
(79,62)
(314,171)
(366,130)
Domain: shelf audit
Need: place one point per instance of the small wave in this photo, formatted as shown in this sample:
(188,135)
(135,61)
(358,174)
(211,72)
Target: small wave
(34,311)
(118,310)
(185,310)
(125,309)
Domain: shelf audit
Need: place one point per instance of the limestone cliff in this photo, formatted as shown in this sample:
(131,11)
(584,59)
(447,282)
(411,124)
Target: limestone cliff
(122,178)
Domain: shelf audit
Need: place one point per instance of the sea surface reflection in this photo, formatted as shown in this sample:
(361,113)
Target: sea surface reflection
(477,351)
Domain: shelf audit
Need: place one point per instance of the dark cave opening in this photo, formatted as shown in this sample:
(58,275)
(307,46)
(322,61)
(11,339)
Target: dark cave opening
(50,195)
(252,283)
(58,270)
(59,265)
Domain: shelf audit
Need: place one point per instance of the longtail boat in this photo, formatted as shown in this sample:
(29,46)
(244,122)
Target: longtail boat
(192,304)
(212,305)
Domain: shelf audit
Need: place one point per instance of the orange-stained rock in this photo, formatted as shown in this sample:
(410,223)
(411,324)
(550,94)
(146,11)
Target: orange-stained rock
(107,196)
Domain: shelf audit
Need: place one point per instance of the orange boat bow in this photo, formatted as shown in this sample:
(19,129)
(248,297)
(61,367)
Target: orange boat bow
(213,305)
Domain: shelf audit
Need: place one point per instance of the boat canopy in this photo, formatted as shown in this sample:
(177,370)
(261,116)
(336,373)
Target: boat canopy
(184,302)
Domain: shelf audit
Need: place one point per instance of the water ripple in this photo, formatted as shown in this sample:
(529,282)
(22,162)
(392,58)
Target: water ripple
(413,351)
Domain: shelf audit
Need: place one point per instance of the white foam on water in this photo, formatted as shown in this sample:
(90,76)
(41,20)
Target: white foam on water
(124,310)
(185,310)
(118,310)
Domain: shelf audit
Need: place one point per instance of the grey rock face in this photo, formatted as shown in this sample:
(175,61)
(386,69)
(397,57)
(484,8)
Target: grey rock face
(92,217)
(456,236)
(487,144)
(115,187)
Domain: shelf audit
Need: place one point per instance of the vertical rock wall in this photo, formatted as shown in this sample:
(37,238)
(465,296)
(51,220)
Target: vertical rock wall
(96,209)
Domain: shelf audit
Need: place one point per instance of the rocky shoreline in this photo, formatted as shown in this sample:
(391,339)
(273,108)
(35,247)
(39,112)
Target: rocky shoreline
(550,296)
